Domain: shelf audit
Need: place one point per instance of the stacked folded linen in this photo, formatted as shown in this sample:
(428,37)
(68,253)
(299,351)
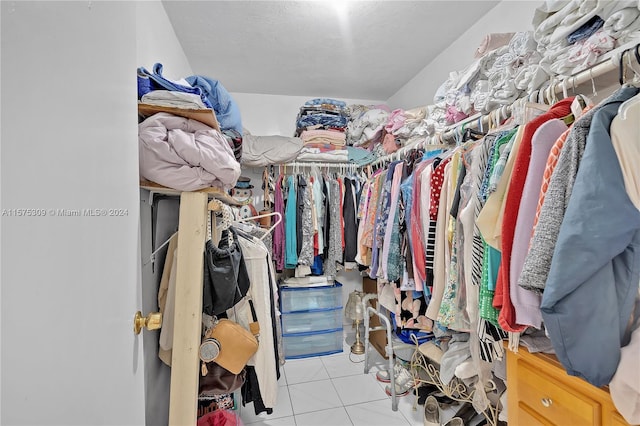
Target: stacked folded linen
(261,151)
(573,34)
(172,98)
(331,137)
(314,154)
(623,22)
(367,127)
(322,113)
(491,42)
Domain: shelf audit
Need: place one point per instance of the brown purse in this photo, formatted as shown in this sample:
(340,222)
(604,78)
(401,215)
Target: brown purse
(219,380)
(229,344)
(237,345)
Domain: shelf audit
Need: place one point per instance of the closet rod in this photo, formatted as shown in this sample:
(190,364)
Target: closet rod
(300,164)
(478,120)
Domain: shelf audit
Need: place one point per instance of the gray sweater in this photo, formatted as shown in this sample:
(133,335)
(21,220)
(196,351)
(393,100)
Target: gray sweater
(538,261)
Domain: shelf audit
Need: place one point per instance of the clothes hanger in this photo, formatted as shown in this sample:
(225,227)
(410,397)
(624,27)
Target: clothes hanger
(216,206)
(267,231)
(152,256)
(626,105)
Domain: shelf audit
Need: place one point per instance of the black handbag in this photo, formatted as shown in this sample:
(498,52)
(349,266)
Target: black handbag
(226,280)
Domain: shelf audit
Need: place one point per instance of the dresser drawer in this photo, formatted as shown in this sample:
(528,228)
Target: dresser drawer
(304,322)
(552,400)
(303,299)
(528,417)
(303,345)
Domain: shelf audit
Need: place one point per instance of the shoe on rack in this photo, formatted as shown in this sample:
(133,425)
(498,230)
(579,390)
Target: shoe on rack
(383,375)
(444,400)
(455,421)
(423,391)
(404,383)
(466,413)
(431,412)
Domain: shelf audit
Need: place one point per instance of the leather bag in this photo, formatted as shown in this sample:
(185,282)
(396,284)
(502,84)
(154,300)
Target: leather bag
(219,380)
(237,344)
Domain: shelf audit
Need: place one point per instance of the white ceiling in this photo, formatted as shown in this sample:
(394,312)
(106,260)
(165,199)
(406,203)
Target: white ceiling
(346,49)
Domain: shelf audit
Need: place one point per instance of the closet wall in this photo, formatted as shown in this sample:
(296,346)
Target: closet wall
(506,16)
(276,114)
(157,42)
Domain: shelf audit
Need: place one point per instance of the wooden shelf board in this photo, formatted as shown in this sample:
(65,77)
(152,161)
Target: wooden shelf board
(206,116)
(212,192)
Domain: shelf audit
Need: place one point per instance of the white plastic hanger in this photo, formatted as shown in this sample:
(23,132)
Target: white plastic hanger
(268,231)
(634,65)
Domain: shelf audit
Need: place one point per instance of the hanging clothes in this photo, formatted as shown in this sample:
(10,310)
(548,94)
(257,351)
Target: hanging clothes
(279,231)
(575,282)
(291,238)
(350,222)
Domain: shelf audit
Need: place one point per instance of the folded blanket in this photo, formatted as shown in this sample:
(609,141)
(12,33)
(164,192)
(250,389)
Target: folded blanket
(622,22)
(395,120)
(523,45)
(227,111)
(491,42)
(572,16)
(341,156)
(530,78)
(360,156)
(322,119)
(148,81)
(174,99)
(367,126)
(503,89)
(323,136)
(323,147)
(487,62)
(585,55)
(185,154)
(259,151)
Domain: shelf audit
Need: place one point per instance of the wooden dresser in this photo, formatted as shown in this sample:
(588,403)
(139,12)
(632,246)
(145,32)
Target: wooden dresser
(540,392)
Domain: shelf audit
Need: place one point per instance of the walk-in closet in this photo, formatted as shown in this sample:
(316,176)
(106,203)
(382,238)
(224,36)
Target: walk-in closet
(311,213)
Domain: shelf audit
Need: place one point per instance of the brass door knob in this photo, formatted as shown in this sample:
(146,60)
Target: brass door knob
(152,321)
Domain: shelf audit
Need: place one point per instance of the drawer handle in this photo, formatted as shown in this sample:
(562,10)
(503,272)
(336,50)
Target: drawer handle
(546,402)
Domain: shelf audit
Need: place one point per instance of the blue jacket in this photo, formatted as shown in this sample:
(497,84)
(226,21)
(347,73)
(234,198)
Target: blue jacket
(594,275)
(227,111)
(148,81)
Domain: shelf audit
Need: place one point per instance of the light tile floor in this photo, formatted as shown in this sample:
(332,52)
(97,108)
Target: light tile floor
(334,391)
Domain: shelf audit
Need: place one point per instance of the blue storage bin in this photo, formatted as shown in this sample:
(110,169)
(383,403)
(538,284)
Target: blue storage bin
(303,345)
(304,322)
(303,299)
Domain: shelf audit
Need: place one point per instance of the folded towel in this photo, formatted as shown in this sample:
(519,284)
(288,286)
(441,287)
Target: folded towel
(360,156)
(530,78)
(395,120)
(324,136)
(622,22)
(367,126)
(585,55)
(341,156)
(491,42)
(171,98)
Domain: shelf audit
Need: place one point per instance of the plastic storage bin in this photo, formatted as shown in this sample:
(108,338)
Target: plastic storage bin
(303,345)
(303,299)
(304,322)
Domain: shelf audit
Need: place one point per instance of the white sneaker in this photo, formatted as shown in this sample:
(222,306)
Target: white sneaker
(404,383)
(383,375)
